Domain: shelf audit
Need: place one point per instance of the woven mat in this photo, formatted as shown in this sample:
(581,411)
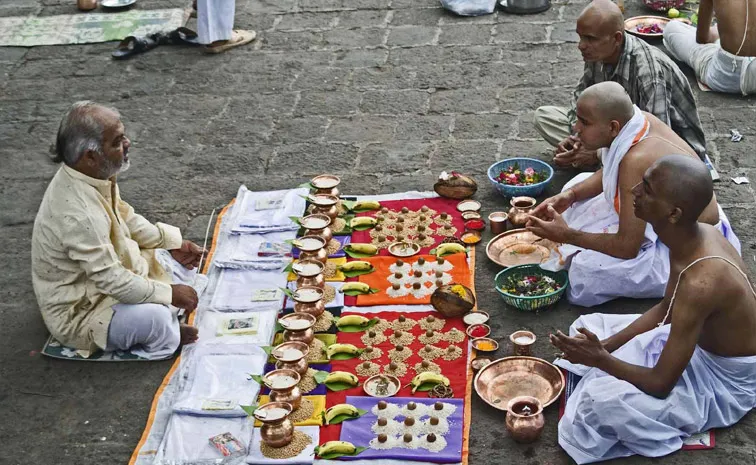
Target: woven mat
(87,28)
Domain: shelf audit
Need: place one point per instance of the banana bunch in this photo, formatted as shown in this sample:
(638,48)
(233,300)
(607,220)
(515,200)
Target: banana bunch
(358,265)
(363,222)
(362,288)
(336,447)
(342,377)
(340,409)
(365,249)
(364,205)
(428,377)
(353,320)
(340,348)
(449,248)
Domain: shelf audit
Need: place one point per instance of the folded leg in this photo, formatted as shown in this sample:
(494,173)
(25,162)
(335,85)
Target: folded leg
(149,330)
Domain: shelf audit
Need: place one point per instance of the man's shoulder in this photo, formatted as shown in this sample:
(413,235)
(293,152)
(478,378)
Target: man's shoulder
(653,60)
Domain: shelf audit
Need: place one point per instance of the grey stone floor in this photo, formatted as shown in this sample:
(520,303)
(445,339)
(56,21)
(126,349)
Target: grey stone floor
(386,93)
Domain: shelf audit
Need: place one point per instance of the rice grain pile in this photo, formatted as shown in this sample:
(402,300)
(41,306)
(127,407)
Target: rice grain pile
(372,341)
(330,270)
(401,369)
(304,412)
(434,323)
(329,294)
(396,355)
(307,383)
(382,325)
(404,339)
(371,354)
(324,322)
(298,444)
(405,325)
(454,336)
(372,369)
(338,225)
(435,338)
(317,350)
(432,368)
(448,232)
(432,354)
(452,353)
(442,222)
(333,247)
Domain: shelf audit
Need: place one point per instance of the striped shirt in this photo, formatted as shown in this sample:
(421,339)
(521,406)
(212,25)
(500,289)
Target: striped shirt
(655,84)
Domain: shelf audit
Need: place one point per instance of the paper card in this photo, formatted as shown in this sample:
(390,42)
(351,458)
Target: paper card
(266,295)
(228,445)
(218,404)
(269,203)
(274,249)
(246,325)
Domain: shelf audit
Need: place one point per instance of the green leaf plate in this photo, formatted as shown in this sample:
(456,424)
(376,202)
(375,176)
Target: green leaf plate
(334,455)
(356,328)
(343,417)
(355,273)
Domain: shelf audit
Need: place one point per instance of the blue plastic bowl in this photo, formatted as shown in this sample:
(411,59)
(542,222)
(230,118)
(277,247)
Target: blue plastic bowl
(533,190)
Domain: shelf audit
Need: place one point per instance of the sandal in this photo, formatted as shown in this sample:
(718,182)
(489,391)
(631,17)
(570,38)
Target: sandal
(132,45)
(238,37)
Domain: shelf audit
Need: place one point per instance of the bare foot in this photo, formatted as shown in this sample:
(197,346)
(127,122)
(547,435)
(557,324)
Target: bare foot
(188,334)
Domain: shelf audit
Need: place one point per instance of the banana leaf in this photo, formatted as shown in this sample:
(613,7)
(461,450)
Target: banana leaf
(306,185)
(258,379)
(362,227)
(288,292)
(355,273)
(343,417)
(425,387)
(345,355)
(267,349)
(354,292)
(356,328)
(320,376)
(249,409)
(348,250)
(296,219)
(334,455)
(337,386)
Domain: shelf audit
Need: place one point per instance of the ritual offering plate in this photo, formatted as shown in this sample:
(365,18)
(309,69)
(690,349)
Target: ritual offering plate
(117,3)
(511,377)
(325,181)
(649,26)
(403,249)
(382,386)
(468,206)
(519,247)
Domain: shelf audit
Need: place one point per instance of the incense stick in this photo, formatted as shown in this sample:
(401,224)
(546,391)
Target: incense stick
(204,244)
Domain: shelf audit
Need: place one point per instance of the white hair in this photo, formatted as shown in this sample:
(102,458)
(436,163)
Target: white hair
(80,130)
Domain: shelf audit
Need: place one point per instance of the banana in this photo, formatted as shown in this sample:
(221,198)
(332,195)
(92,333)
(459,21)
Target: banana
(353,320)
(449,248)
(340,409)
(342,377)
(362,288)
(339,348)
(367,249)
(358,265)
(366,205)
(428,377)
(339,447)
(362,221)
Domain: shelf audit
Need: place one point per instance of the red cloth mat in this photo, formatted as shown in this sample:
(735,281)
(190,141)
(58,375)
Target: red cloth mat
(455,370)
(440,204)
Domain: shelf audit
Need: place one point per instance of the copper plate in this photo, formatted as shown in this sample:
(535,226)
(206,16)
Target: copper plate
(511,248)
(510,377)
(632,23)
(325,181)
(403,249)
(371,383)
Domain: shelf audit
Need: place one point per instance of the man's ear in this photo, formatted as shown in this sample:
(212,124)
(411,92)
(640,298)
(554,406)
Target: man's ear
(675,215)
(614,127)
(618,36)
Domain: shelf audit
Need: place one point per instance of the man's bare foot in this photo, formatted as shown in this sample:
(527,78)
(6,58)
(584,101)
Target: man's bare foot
(238,37)
(188,333)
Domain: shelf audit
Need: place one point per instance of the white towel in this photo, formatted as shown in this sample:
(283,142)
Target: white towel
(634,131)
(252,214)
(242,251)
(236,290)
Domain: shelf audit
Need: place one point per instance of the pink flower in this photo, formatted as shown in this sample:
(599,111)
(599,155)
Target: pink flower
(529,171)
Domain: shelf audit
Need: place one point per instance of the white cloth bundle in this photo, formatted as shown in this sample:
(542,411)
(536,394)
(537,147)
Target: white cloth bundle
(238,290)
(242,251)
(267,211)
(187,440)
(210,322)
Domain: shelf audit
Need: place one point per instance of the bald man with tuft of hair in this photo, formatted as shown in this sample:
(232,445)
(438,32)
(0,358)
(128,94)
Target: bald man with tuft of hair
(693,351)
(652,80)
(614,253)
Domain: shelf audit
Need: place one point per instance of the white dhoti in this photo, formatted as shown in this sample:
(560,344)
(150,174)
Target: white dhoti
(215,20)
(150,330)
(607,418)
(596,278)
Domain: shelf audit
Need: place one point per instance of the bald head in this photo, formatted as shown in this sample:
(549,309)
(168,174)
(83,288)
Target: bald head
(605,14)
(607,101)
(683,182)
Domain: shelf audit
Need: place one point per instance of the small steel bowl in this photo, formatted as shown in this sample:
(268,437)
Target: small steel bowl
(472,328)
(469,316)
(479,362)
(476,342)
(370,383)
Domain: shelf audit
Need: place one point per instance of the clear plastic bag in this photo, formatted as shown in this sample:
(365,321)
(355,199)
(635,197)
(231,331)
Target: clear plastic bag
(187,440)
(470,7)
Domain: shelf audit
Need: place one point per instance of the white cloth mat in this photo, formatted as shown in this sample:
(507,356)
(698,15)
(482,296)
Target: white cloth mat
(235,290)
(187,439)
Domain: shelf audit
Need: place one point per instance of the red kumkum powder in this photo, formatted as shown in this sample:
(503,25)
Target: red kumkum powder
(478,331)
(475,224)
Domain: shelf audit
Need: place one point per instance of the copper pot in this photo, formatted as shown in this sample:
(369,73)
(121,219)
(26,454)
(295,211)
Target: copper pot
(276,430)
(320,255)
(521,208)
(525,419)
(329,206)
(324,232)
(309,305)
(300,333)
(285,359)
(284,386)
(86,5)
(498,222)
(315,281)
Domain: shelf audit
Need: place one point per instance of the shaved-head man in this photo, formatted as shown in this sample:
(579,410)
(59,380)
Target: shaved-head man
(652,80)
(614,253)
(685,366)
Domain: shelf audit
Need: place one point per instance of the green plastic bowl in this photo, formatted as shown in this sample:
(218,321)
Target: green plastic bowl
(531,304)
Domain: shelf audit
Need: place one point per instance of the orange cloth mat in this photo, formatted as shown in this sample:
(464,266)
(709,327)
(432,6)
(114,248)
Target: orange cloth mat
(379,279)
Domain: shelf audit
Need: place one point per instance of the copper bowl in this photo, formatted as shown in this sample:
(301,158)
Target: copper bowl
(326,184)
(313,307)
(324,232)
(298,364)
(275,431)
(290,392)
(318,254)
(324,204)
(510,377)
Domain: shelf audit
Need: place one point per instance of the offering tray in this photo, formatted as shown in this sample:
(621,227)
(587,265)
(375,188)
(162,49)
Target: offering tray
(519,247)
(631,25)
(510,377)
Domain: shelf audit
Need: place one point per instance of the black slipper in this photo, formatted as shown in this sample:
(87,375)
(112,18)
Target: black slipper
(132,45)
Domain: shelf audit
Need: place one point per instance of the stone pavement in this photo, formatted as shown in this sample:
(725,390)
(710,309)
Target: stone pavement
(385,93)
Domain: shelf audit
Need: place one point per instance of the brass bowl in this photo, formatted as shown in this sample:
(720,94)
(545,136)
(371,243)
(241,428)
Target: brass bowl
(509,248)
(510,377)
(370,385)
(450,304)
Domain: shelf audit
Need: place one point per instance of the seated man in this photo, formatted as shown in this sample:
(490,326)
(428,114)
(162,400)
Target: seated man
(686,365)
(99,278)
(654,82)
(724,56)
(613,253)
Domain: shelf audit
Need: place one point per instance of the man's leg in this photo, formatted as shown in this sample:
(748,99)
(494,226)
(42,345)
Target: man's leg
(680,41)
(149,330)
(215,26)
(552,123)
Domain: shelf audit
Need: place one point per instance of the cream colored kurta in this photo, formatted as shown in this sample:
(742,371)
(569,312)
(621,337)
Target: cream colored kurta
(90,251)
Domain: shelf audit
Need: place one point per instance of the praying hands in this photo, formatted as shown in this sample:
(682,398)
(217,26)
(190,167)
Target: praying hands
(550,225)
(584,348)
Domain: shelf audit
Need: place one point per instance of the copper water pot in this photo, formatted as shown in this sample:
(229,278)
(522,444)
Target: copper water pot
(334,191)
(276,432)
(316,281)
(305,335)
(521,208)
(314,308)
(325,232)
(298,364)
(290,394)
(331,211)
(525,419)
(86,5)
(320,255)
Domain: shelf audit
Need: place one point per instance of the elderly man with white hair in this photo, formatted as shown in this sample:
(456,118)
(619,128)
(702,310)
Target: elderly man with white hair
(101,273)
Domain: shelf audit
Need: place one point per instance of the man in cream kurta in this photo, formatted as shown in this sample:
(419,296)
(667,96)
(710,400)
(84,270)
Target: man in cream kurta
(98,274)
